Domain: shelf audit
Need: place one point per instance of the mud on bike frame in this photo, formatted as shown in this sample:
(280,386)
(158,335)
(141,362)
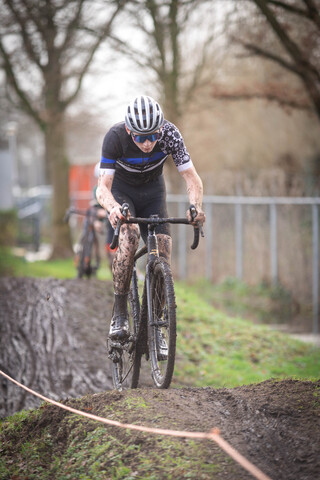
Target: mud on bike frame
(154,320)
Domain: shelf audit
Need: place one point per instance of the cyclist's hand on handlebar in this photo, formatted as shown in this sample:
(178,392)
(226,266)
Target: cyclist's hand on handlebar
(116,214)
(198,219)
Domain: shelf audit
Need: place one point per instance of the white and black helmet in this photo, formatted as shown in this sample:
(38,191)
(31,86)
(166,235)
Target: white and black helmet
(144,115)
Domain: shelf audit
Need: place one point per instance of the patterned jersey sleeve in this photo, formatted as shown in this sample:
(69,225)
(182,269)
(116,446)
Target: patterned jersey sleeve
(172,143)
(111,151)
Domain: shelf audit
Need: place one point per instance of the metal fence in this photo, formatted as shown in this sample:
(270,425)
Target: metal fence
(239,203)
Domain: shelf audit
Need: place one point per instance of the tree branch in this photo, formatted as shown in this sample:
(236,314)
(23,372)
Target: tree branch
(29,48)
(302,63)
(313,10)
(159,32)
(289,8)
(268,94)
(34,17)
(27,106)
(74,23)
(270,56)
(103,34)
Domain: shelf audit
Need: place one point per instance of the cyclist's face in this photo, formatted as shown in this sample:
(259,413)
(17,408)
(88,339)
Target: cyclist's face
(147,146)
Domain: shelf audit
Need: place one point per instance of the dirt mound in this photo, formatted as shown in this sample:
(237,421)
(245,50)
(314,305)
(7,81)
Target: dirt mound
(276,425)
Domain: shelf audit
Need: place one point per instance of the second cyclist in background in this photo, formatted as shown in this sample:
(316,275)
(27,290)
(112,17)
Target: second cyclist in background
(133,154)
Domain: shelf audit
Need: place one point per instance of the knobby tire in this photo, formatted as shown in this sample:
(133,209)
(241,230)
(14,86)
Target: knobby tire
(163,314)
(126,368)
(141,344)
(89,247)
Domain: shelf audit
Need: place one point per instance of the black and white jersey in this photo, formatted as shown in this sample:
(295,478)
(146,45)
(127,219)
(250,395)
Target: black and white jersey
(121,156)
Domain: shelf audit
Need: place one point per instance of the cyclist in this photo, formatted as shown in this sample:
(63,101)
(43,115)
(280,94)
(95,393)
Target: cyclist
(133,155)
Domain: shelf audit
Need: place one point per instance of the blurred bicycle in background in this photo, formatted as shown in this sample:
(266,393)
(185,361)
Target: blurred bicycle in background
(87,256)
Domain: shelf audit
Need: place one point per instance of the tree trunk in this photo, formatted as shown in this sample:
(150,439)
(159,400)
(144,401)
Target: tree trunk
(59,172)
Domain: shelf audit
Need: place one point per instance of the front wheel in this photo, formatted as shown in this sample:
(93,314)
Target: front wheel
(162,324)
(125,358)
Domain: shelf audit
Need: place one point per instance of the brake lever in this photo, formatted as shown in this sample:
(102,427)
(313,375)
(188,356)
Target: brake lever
(196,228)
(124,213)
(194,213)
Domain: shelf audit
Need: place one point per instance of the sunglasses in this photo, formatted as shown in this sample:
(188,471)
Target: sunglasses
(152,137)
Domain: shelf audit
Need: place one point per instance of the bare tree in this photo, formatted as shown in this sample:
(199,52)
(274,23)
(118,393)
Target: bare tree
(296,26)
(171,53)
(165,50)
(46,49)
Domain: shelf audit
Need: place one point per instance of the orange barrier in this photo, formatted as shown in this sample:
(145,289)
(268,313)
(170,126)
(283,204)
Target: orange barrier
(214,435)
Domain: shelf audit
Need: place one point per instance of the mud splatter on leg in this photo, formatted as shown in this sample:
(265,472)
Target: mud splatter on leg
(165,246)
(123,261)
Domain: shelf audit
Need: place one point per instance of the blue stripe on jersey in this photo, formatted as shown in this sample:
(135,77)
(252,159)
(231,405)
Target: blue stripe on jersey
(107,162)
(142,160)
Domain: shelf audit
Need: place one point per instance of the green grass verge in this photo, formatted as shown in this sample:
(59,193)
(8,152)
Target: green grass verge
(217,350)
(264,303)
(12,265)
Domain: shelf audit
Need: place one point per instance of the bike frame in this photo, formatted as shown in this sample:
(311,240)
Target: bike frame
(144,321)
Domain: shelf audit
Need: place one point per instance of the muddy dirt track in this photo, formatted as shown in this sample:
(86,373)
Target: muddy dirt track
(48,343)
(52,338)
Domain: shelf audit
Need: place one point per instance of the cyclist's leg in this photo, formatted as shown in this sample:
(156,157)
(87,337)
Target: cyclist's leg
(124,258)
(122,266)
(165,246)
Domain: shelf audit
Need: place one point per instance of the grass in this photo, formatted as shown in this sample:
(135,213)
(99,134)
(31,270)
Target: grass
(18,266)
(217,350)
(263,302)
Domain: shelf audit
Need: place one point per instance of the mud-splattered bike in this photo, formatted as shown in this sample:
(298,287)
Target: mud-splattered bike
(153,321)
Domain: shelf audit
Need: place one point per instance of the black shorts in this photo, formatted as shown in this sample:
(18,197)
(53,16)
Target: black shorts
(143,200)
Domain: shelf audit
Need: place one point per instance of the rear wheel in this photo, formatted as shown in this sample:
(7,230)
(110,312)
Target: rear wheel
(162,324)
(83,257)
